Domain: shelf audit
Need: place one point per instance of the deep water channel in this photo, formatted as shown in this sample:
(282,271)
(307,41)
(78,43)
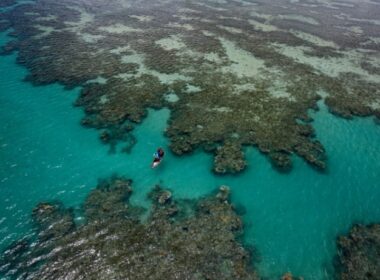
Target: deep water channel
(291,219)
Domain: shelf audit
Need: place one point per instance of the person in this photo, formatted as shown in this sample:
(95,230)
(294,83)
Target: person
(158,155)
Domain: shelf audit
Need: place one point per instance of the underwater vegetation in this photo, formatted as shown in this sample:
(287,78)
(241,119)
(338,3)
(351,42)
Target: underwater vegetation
(233,73)
(177,240)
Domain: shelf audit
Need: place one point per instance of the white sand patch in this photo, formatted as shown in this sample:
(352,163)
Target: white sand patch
(308,5)
(213,57)
(276,83)
(77,26)
(324,3)
(375,105)
(119,29)
(332,66)
(322,94)
(267,17)
(231,29)
(142,18)
(352,30)
(341,4)
(372,2)
(265,27)
(99,80)
(125,76)
(47,18)
(244,87)
(139,59)
(299,18)
(45,31)
(31,14)
(85,18)
(187,10)
(229,17)
(218,1)
(120,50)
(171,97)
(207,20)
(213,8)
(314,39)
(370,21)
(373,58)
(103,99)
(278,90)
(376,40)
(173,42)
(246,3)
(90,38)
(221,109)
(356,30)
(244,64)
(348,18)
(341,16)
(192,89)
(208,33)
(179,25)
(133,58)
(187,53)
(188,18)
(169,78)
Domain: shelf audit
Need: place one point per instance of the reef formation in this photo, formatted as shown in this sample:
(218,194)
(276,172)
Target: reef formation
(177,240)
(233,73)
(359,253)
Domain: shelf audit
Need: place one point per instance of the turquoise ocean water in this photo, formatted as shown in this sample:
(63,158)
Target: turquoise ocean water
(291,219)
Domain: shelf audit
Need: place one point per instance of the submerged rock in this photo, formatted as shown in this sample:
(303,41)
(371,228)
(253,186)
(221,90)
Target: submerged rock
(108,200)
(359,253)
(281,161)
(289,276)
(224,193)
(165,197)
(229,159)
(53,220)
(114,243)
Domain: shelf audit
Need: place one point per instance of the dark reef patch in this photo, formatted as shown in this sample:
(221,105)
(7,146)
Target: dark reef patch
(359,253)
(7,3)
(233,74)
(113,243)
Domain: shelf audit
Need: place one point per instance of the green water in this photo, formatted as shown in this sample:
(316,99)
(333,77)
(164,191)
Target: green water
(291,219)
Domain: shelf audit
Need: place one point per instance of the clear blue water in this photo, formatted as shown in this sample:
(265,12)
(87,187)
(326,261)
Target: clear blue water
(292,219)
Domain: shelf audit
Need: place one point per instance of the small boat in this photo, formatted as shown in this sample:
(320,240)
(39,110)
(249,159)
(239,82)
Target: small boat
(157,157)
(156,163)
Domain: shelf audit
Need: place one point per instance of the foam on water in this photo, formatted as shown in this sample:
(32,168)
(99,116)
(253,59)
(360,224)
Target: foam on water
(292,219)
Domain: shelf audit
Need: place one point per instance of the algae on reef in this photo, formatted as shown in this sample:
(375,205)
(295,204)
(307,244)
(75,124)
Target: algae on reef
(359,253)
(242,73)
(114,243)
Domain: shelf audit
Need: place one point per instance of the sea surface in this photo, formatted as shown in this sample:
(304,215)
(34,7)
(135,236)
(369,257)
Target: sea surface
(291,219)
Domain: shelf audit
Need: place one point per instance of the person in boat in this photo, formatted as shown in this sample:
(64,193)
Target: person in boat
(158,155)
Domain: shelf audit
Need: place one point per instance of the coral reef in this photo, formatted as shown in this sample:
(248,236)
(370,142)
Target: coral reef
(232,73)
(289,276)
(229,158)
(114,243)
(359,253)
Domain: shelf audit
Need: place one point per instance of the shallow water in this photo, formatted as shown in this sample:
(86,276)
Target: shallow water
(292,219)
